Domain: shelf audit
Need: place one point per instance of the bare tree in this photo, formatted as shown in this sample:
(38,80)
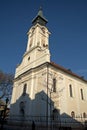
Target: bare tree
(6,82)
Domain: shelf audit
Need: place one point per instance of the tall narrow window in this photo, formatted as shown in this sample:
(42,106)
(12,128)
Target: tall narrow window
(73,114)
(82,97)
(70,90)
(22,107)
(24,89)
(84,115)
(54,85)
(55,114)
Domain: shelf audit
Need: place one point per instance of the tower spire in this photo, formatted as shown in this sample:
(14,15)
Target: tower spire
(40,18)
(40,12)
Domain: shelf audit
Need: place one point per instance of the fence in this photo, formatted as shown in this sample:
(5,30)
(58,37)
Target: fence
(45,123)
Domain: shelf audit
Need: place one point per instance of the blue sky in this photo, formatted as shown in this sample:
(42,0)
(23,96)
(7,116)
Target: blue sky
(67,22)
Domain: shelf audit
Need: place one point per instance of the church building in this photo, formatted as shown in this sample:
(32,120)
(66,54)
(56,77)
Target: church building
(43,91)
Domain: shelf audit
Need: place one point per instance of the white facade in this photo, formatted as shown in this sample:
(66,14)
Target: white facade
(37,51)
(40,86)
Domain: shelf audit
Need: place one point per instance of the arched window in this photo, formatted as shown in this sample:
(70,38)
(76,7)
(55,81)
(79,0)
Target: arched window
(84,115)
(70,90)
(22,107)
(73,114)
(82,97)
(54,84)
(55,114)
(24,89)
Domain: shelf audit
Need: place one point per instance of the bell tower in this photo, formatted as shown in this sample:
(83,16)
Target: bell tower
(37,51)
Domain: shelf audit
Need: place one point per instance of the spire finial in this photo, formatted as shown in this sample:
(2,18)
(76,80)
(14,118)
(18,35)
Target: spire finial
(40,8)
(40,18)
(40,12)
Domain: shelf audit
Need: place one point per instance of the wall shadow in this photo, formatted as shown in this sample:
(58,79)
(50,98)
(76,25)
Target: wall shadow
(41,111)
(28,110)
(65,121)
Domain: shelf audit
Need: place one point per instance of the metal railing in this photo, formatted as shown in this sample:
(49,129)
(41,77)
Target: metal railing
(53,123)
(15,122)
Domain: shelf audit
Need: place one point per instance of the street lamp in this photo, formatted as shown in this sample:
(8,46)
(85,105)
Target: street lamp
(47,97)
(7,100)
(4,113)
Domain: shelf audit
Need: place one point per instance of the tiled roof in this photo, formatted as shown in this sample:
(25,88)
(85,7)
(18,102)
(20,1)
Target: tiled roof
(68,71)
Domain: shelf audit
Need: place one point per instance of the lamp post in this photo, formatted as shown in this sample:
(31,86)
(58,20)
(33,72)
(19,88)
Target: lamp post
(51,110)
(47,97)
(4,113)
